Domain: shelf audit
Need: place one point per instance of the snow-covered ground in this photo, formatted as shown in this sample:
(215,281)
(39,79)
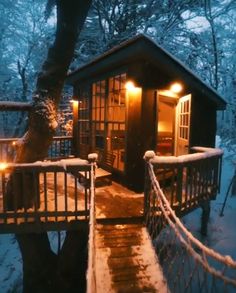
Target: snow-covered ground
(221,229)
(11,262)
(221,233)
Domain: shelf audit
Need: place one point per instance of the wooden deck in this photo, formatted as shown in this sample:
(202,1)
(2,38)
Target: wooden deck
(125,260)
(46,197)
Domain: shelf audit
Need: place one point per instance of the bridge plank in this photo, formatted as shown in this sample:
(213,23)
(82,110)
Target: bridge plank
(126,260)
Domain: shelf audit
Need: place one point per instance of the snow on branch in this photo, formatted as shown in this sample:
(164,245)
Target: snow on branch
(46,110)
(15,106)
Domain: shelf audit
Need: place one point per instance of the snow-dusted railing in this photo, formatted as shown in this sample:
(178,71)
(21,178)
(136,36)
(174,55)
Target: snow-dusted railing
(44,195)
(91,270)
(188,181)
(188,265)
(61,147)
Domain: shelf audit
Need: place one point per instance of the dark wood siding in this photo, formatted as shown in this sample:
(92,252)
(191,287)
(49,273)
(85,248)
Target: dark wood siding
(203,121)
(140,136)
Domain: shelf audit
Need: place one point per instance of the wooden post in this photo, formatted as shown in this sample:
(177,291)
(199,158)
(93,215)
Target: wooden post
(147,182)
(179,188)
(75,139)
(206,208)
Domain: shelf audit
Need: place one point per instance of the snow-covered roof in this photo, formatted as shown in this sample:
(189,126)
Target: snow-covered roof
(142,47)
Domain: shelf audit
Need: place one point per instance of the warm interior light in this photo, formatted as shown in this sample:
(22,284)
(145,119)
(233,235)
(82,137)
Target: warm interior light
(129,85)
(3,166)
(176,87)
(13,143)
(74,101)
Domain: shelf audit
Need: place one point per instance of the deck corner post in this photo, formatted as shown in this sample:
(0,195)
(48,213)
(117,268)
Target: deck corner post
(92,158)
(206,209)
(147,181)
(179,189)
(75,138)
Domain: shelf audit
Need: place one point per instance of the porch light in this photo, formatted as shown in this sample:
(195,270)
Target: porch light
(74,102)
(176,88)
(129,85)
(3,166)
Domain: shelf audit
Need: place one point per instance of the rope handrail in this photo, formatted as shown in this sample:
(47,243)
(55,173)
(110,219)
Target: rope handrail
(225,259)
(181,232)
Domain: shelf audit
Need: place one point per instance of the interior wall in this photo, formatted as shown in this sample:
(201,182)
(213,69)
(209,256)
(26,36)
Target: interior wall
(166,114)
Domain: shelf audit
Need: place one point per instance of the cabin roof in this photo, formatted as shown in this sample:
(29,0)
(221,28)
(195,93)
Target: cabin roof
(145,49)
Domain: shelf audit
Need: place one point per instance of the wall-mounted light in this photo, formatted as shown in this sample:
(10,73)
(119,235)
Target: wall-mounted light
(176,87)
(130,85)
(74,102)
(132,90)
(3,166)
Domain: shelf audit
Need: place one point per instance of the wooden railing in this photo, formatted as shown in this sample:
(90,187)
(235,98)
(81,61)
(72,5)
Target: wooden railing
(61,147)
(43,196)
(187,181)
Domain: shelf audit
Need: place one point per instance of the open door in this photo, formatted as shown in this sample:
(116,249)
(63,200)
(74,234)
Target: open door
(183,112)
(166,106)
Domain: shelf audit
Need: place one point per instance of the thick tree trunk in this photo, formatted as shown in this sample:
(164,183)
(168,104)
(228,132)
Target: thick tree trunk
(43,117)
(42,268)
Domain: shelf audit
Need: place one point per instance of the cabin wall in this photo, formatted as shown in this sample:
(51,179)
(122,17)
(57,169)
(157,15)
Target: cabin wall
(134,148)
(142,114)
(203,121)
(141,129)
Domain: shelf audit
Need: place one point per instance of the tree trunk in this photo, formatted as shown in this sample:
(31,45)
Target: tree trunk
(41,267)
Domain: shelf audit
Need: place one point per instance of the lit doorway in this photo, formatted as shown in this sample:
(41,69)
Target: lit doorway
(173,124)
(166,125)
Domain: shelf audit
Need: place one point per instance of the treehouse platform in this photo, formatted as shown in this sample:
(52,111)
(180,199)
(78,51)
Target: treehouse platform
(51,195)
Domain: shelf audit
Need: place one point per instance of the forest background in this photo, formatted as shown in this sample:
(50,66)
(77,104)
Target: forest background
(201,33)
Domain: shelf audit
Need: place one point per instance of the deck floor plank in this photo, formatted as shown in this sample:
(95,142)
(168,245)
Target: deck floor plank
(126,260)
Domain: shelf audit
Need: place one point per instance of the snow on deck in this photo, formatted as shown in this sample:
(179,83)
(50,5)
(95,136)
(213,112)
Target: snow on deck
(126,260)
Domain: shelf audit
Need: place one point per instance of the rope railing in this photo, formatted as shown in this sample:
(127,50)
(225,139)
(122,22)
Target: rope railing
(188,264)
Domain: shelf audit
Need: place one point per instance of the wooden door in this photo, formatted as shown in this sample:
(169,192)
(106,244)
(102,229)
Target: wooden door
(183,112)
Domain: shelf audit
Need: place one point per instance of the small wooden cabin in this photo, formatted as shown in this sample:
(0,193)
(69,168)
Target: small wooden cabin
(137,97)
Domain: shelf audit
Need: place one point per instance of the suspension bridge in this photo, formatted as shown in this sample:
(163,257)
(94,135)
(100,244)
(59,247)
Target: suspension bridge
(137,243)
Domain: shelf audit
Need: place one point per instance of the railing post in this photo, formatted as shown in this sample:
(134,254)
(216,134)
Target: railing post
(92,158)
(147,181)
(179,187)
(75,139)
(91,271)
